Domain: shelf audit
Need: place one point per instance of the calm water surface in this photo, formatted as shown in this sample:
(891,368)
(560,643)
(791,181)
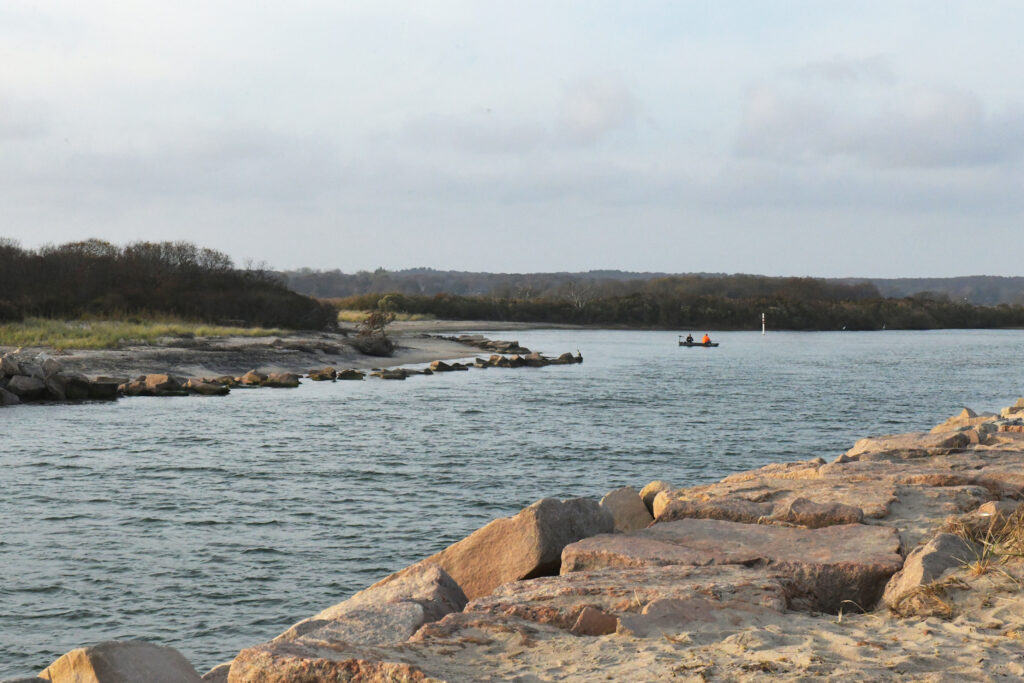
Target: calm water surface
(209,524)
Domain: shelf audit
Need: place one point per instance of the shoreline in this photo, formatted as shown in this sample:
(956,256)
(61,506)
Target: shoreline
(881,564)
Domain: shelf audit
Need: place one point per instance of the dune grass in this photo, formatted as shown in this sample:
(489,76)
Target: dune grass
(111,334)
(353,316)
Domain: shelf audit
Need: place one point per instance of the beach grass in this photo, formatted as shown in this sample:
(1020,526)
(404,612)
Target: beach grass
(353,316)
(111,334)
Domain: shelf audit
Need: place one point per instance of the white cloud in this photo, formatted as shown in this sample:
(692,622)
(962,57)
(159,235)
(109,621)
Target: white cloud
(593,108)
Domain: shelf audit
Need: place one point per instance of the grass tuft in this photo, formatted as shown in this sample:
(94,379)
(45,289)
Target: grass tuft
(111,334)
(353,316)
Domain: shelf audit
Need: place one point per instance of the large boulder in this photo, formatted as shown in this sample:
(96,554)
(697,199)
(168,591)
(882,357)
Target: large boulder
(928,563)
(9,365)
(622,598)
(105,388)
(26,387)
(252,379)
(327,374)
(121,662)
(826,568)
(524,546)
(8,399)
(282,380)
(729,509)
(807,513)
(627,508)
(396,605)
(350,374)
(905,446)
(387,613)
(198,386)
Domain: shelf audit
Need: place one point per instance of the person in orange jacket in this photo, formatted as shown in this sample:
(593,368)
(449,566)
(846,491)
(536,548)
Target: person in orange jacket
(706,339)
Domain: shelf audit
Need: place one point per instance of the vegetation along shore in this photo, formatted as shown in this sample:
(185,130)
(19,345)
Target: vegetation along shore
(900,559)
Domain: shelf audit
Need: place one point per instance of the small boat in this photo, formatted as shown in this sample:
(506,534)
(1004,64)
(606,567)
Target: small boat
(683,342)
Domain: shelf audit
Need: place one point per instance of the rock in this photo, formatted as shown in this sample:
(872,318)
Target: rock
(619,593)
(813,515)
(26,388)
(121,662)
(50,367)
(825,567)
(627,509)
(903,446)
(965,418)
(565,359)
(323,374)
(350,374)
(730,509)
(252,378)
(282,380)
(425,585)
(218,674)
(926,564)
(397,373)
(440,366)
(534,360)
(284,662)
(660,502)
(524,546)
(8,399)
(76,388)
(56,387)
(652,489)
(207,388)
(9,366)
(162,384)
(104,388)
(998,509)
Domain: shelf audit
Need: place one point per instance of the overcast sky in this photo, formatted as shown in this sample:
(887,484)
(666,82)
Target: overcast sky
(786,138)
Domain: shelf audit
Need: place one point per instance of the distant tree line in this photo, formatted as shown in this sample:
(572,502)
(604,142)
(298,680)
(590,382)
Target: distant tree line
(712,302)
(148,278)
(988,290)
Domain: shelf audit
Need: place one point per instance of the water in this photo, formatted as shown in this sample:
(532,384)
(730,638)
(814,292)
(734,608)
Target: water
(210,524)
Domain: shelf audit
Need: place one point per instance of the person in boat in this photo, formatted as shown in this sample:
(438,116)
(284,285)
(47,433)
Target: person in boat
(706,339)
(689,339)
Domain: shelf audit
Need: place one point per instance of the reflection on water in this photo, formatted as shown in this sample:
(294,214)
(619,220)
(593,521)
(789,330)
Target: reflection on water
(210,524)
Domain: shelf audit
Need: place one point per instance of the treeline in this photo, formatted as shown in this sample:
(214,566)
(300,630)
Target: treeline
(148,278)
(988,290)
(682,304)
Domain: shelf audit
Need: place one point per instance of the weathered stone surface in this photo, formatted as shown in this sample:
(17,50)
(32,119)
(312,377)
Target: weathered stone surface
(826,567)
(648,493)
(389,611)
(524,546)
(8,399)
(286,662)
(252,378)
(440,366)
(56,387)
(218,674)
(813,515)
(202,388)
(26,388)
(965,418)
(620,592)
(104,388)
(660,502)
(160,384)
(928,563)
(50,366)
(350,374)
(323,374)
(627,508)
(76,387)
(9,366)
(730,509)
(121,662)
(281,380)
(903,446)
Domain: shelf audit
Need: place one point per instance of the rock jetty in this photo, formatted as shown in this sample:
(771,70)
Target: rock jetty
(26,377)
(900,559)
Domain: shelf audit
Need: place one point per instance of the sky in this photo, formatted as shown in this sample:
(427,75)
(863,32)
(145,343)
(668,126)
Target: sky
(872,139)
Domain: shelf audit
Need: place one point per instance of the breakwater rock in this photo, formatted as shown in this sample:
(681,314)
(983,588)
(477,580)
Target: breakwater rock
(898,559)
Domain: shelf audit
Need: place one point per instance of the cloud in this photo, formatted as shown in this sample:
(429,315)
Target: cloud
(593,108)
(884,126)
(843,70)
(483,132)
